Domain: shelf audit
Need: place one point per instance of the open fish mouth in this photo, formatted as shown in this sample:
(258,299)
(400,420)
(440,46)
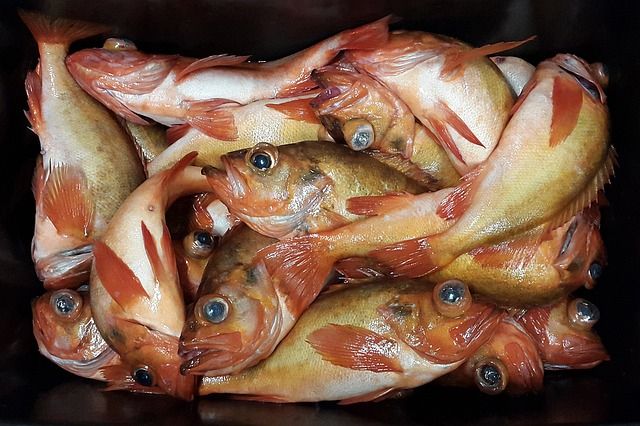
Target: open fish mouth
(209,353)
(228,183)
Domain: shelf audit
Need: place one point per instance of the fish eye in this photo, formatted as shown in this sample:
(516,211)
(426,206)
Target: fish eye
(119,44)
(262,157)
(491,376)
(452,298)
(595,271)
(358,134)
(199,244)
(143,376)
(66,303)
(215,310)
(583,314)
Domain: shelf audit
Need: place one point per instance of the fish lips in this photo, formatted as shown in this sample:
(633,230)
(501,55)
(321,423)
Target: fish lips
(227,184)
(209,353)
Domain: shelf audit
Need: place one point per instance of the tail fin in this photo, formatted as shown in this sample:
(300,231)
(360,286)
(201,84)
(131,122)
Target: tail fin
(299,267)
(46,29)
(368,36)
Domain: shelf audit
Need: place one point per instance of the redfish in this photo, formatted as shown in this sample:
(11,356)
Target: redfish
(87,166)
(367,343)
(553,158)
(67,335)
(173,90)
(276,121)
(136,298)
(563,334)
(452,89)
(364,114)
(300,188)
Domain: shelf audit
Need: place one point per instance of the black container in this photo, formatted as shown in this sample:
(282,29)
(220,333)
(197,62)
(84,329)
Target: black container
(34,391)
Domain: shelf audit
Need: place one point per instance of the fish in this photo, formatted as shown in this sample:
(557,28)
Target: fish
(136,297)
(515,70)
(87,165)
(452,89)
(300,188)
(150,141)
(276,121)
(67,335)
(509,362)
(563,334)
(175,90)
(192,255)
(366,343)
(560,121)
(240,314)
(360,111)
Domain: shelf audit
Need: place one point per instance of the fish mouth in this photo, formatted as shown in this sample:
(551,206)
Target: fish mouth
(211,353)
(229,183)
(579,352)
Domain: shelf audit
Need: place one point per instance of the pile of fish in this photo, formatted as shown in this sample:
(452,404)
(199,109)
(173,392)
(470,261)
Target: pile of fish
(378,211)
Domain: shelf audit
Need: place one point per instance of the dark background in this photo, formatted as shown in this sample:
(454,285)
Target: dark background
(32,390)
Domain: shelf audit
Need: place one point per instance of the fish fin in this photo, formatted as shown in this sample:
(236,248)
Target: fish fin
(524,365)
(375,205)
(514,254)
(33,87)
(375,396)
(359,268)
(445,116)
(66,201)
(210,119)
(299,268)
(356,348)
(443,137)
(458,201)
(406,167)
(116,106)
(528,88)
(297,88)
(567,102)
(178,167)
(37,183)
(588,195)
(413,258)
(177,132)
(453,64)
(46,29)
(66,269)
(200,217)
(297,109)
(211,62)
(164,266)
(366,37)
(116,276)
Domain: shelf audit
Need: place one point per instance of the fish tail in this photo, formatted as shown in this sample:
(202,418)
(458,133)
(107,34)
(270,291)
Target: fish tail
(413,258)
(46,29)
(368,36)
(299,268)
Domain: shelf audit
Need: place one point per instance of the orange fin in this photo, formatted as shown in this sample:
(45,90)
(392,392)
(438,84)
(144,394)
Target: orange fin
(567,102)
(33,87)
(116,276)
(297,109)
(368,36)
(65,201)
(458,201)
(374,396)
(443,137)
(200,217)
(177,132)
(297,89)
(448,116)
(46,29)
(299,268)
(406,167)
(514,254)
(37,183)
(356,348)
(163,265)
(210,119)
(359,268)
(211,62)
(412,258)
(374,205)
(453,63)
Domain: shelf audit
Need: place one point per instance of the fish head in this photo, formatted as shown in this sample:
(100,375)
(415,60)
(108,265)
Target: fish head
(232,326)
(446,325)
(108,74)
(582,255)
(192,254)
(563,333)
(591,78)
(358,110)
(272,189)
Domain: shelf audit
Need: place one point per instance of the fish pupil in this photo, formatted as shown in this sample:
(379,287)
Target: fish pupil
(143,377)
(64,304)
(215,310)
(490,375)
(595,270)
(362,139)
(587,311)
(261,161)
(452,293)
(204,239)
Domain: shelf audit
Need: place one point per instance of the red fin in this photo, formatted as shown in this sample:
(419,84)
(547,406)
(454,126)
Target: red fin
(374,205)
(443,137)
(452,119)
(567,102)
(163,266)
(359,268)
(356,348)
(211,62)
(46,29)
(299,268)
(210,119)
(65,201)
(453,63)
(37,183)
(297,109)
(412,258)
(177,132)
(369,36)
(458,201)
(116,276)
(406,167)
(375,396)
(33,87)
(200,217)
(298,88)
